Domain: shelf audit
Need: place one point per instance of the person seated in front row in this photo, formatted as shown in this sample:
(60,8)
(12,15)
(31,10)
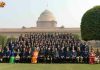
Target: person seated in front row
(17,58)
(68,55)
(41,55)
(97,58)
(49,55)
(29,55)
(61,55)
(34,58)
(92,56)
(85,55)
(79,55)
(8,54)
(73,55)
(56,56)
(1,55)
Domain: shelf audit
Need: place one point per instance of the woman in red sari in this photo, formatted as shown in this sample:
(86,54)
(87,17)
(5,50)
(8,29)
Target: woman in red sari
(92,57)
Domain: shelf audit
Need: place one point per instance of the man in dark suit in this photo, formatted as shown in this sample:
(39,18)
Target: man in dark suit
(67,55)
(73,55)
(1,55)
(85,55)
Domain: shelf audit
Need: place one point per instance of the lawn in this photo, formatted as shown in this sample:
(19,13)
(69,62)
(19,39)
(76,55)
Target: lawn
(49,67)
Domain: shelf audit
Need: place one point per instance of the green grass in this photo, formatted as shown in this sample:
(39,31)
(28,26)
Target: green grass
(49,67)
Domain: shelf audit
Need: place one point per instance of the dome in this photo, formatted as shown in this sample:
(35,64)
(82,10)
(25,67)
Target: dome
(46,20)
(46,16)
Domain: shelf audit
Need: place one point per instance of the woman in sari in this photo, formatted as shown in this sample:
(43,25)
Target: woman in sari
(34,56)
(92,57)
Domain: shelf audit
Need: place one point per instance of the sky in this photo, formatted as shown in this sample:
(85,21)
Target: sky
(19,13)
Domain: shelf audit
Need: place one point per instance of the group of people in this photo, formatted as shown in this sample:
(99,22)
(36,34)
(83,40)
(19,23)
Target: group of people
(45,48)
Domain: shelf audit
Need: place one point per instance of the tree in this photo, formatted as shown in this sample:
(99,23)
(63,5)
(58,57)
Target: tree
(23,27)
(90,24)
(76,36)
(3,40)
(12,38)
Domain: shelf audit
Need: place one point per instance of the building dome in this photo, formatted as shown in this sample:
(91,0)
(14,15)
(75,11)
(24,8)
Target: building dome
(46,20)
(46,16)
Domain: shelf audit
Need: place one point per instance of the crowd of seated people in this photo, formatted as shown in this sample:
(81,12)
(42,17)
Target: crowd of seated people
(52,48)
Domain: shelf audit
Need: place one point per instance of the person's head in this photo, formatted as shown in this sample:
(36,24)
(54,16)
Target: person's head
(41,49)
(73,48)
(12,44)
(56,49)
(67,49)
(18,50)
(30,48)
(7,49)
(97,50)
(92,50)
(84,43)
(35,49)
(49,48)
(62,49)
(78,48)
(18,54)
(24,49)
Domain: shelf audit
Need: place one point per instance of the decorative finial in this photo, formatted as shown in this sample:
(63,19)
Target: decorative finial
(46,4)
